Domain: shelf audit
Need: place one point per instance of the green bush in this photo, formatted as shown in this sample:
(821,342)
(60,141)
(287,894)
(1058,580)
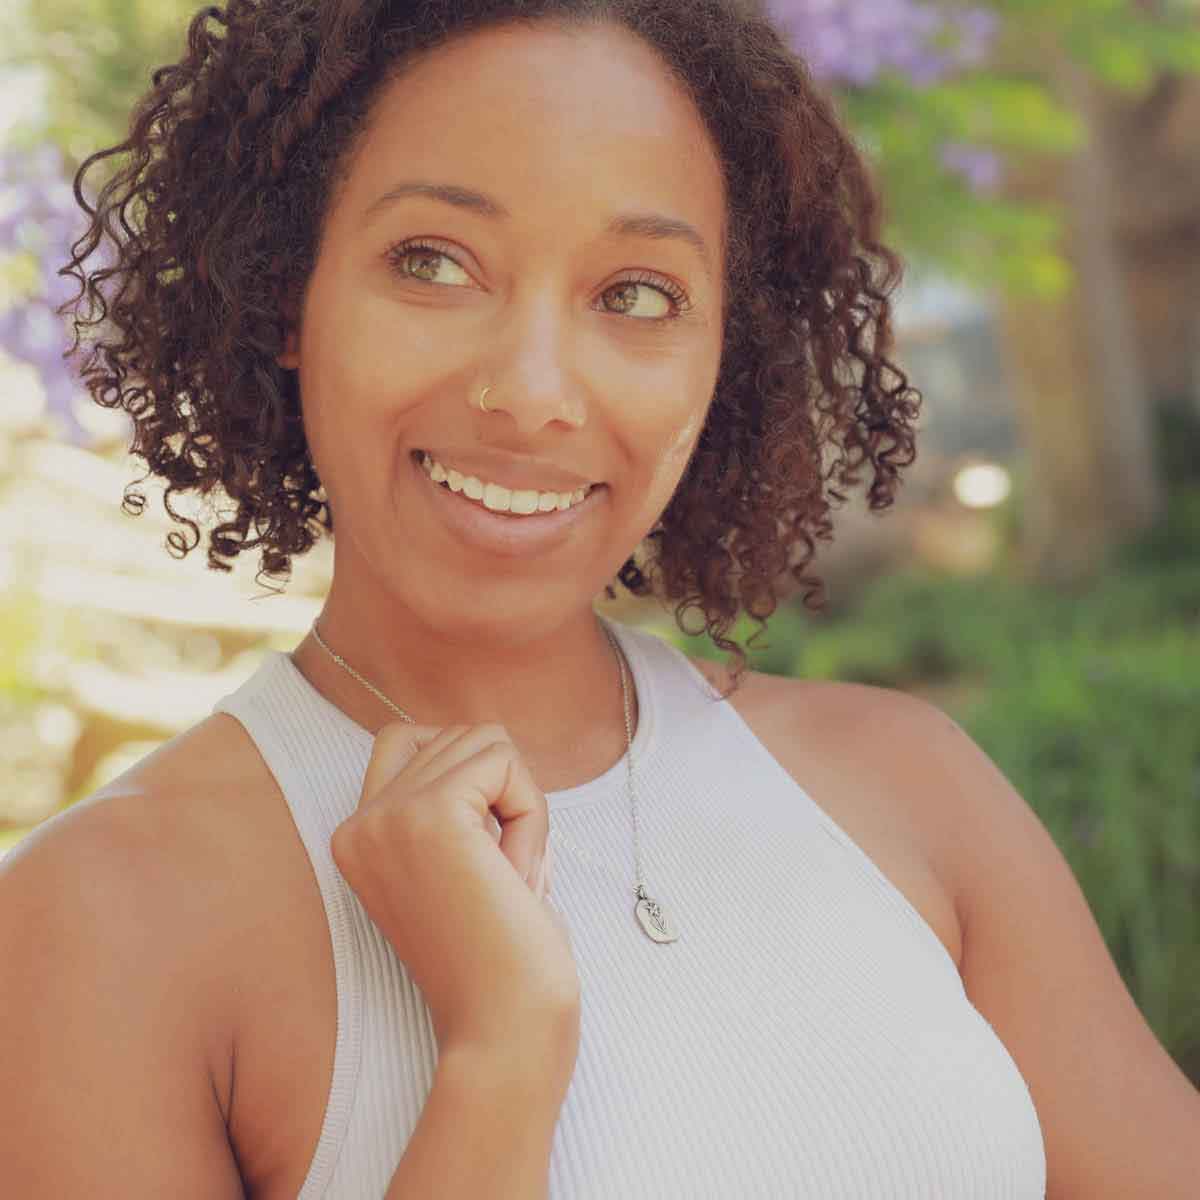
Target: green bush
(1103,740)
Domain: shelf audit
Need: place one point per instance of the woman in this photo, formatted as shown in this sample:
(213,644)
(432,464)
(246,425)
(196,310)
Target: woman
(521,297)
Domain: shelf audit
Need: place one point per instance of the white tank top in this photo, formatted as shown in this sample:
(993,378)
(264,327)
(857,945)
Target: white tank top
(807,1036)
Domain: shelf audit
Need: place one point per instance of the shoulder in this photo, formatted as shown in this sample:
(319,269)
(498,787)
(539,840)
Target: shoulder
(917,757)
(875,756)
(113,928)
(156,828)
(847,711)
(146,872)
(1034,961)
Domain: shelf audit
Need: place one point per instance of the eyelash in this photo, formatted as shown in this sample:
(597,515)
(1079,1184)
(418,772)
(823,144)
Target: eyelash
(672,291)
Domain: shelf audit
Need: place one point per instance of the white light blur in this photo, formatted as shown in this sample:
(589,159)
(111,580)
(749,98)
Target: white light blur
(982,485)
(57,726)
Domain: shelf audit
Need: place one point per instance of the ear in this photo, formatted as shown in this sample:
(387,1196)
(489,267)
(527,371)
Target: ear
(289,356)
(289,313)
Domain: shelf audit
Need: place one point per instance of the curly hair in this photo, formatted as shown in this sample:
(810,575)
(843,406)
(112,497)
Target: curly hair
(215,208)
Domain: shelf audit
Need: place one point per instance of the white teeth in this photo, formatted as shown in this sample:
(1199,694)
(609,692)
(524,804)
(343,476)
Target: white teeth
(498,498)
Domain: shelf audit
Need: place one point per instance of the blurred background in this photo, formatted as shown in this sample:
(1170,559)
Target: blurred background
(1039,577)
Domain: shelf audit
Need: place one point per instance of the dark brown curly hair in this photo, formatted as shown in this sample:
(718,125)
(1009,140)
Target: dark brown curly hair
(214,209)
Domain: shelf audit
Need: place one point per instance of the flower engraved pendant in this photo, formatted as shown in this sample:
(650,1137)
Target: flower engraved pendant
(653,920)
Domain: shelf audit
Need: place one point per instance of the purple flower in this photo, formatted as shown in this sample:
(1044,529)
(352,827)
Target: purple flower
(980,166)
(39,217)
(976,29)
(852,43)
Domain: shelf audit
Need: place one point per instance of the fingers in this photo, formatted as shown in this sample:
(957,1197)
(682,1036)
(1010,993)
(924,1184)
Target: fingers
(396,744)
(455,745)
(480,765)
(496,778)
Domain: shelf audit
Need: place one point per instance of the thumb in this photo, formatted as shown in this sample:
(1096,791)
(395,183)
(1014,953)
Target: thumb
(523,836)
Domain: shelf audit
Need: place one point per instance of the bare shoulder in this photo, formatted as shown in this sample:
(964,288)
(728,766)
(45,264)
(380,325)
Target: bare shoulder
(855,749)
(248,910)
(1033,959)
(151,858)
(127,892)
(884,728)
(874,720)
(806,697)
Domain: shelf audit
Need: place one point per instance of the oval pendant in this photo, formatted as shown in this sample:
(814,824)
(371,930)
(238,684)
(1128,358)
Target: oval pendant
(654,921)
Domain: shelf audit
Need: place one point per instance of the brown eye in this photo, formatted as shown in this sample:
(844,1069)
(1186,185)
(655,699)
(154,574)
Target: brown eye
(627,292)
(627,298)
(425,260)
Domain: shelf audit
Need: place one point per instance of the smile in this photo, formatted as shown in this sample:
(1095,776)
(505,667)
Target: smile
(503,533)
(497,498)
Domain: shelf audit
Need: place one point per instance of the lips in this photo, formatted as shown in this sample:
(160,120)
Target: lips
(501,534)
(515,473)
(499,498)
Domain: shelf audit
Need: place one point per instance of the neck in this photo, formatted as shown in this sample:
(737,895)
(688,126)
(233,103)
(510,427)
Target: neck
(555,689)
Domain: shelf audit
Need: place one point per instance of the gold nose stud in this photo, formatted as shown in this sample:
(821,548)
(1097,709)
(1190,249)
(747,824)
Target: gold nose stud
(482,394)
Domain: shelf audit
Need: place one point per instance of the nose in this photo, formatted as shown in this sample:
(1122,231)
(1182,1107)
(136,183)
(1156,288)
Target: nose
(532,382)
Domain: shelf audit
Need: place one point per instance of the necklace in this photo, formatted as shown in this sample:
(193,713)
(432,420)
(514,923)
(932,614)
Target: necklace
(649,913)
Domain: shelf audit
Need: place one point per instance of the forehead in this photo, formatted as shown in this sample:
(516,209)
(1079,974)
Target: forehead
(560,123)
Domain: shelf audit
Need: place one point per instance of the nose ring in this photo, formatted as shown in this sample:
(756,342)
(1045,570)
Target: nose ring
(482,394)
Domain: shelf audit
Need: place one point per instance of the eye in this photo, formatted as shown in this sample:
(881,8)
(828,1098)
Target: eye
(425,256)
(676,299)
(421,261)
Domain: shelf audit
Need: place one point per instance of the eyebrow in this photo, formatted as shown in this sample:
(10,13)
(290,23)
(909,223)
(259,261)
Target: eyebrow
(631,224)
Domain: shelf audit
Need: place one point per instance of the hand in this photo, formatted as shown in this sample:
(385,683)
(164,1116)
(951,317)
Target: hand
(492,958)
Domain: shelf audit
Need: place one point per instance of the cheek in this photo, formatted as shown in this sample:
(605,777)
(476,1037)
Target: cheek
(359,359)
(660,431)
(675,445)
(680,447)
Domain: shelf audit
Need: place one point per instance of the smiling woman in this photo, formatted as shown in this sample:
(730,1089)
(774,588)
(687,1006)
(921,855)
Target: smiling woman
(518,300)
(588,235)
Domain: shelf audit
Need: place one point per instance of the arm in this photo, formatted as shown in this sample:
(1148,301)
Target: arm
(1118,1116)
(107,1089)
(486,1130)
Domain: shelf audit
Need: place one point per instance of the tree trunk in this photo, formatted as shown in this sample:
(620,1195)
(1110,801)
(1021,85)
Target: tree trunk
(1155,142)
(1082,399)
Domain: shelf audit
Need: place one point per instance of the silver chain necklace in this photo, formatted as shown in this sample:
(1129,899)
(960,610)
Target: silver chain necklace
(649,912)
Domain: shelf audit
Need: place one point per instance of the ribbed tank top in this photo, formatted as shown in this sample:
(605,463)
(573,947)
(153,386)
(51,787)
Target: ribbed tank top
(807,1036)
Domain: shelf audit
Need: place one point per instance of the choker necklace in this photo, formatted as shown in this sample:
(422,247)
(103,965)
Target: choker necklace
(649,912)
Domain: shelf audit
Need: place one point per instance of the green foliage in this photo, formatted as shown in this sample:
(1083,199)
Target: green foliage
(1015,108)
(98,56)
(1178,440)
(1089,702)
(1103,739)
(10,837)
(982,237)
(19,625)
(1124,48)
